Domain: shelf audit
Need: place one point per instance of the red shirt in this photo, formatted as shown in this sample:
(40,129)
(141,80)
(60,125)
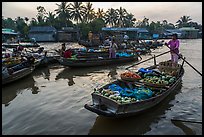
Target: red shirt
(67,54)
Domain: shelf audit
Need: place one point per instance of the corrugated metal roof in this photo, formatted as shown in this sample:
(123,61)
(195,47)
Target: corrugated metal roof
(125,29)
(9,31)
(188,29)
(42,29)
(173,30)
(142,30)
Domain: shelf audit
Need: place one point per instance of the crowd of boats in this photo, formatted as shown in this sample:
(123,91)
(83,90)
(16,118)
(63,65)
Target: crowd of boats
(129,95)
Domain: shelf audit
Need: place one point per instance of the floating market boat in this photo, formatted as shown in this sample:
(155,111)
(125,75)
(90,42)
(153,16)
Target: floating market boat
(23,44)
(18,75)
(96,61)
(124,97)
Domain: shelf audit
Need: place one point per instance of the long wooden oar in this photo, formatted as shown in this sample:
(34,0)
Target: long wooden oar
(199,122)
(147,59)
(186,61)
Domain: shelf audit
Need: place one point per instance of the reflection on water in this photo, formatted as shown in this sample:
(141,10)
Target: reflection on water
(185,129)
(42,71)
(71,73)
(113,73)
(9,92)
(134,125)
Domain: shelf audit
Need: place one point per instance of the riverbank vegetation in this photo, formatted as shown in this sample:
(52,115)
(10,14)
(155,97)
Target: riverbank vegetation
(84,16)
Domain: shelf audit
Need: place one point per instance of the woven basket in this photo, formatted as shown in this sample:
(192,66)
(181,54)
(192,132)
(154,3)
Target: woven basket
(169,68)
(154,85)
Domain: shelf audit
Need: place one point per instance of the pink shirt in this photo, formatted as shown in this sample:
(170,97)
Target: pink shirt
(174,45)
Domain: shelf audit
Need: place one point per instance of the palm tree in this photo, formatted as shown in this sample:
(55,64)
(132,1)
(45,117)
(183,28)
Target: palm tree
(164,22)
(121,16)
(144,23)
(89,13)
(50,18)
(63,12)
(100,13)
(41,14)
(183,21)
(129,20)
(111,17)
(33,22)
(76,11)
(26,19)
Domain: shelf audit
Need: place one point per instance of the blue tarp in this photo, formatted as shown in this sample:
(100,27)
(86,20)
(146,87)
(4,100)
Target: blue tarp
(143,70)
(123,54)
(139,93)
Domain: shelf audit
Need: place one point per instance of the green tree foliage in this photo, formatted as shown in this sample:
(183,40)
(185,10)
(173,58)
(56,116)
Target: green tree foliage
(83,16)
(96,25)
(41,16)
(89,13)
(100,13)
(111,17)
(63,13)
(183,21)
(8,23)
(21,26)
(77,11)
(129,20)
(121,16)
(155,28)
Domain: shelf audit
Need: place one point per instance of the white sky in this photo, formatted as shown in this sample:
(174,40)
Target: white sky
(155,11)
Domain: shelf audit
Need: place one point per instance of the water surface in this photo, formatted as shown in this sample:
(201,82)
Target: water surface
(51,100)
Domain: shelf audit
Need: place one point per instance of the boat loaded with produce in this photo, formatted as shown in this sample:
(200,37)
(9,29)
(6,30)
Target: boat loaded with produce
(136,92)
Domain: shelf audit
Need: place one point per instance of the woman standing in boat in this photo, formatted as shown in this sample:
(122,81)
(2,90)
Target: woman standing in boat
(112,49)
(174,47)
(62,50)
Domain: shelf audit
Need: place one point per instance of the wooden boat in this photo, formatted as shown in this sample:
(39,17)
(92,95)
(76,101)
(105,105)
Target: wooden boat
(88,44)
(24,44)
(18,75)
(105,106)
(9,62)
(99,61)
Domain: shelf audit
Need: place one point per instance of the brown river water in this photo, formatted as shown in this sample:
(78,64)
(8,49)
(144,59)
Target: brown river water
(51,100)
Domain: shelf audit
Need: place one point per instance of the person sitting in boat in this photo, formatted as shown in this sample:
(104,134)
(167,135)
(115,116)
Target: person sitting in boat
(62,50)
(19,48)
(112,49)
(107,42)
(7,55)
(40,50)
(33,40)
(68,53)
(125,38)
(28,62)
(174,48)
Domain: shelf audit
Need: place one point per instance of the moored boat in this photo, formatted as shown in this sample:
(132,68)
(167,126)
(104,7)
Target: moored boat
(123,98)
(18,75)
(98,61)
(23,44)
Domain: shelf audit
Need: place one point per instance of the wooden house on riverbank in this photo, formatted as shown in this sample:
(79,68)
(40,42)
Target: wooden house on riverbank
(189,32)
(43,33)
(133,33)
(68,34)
